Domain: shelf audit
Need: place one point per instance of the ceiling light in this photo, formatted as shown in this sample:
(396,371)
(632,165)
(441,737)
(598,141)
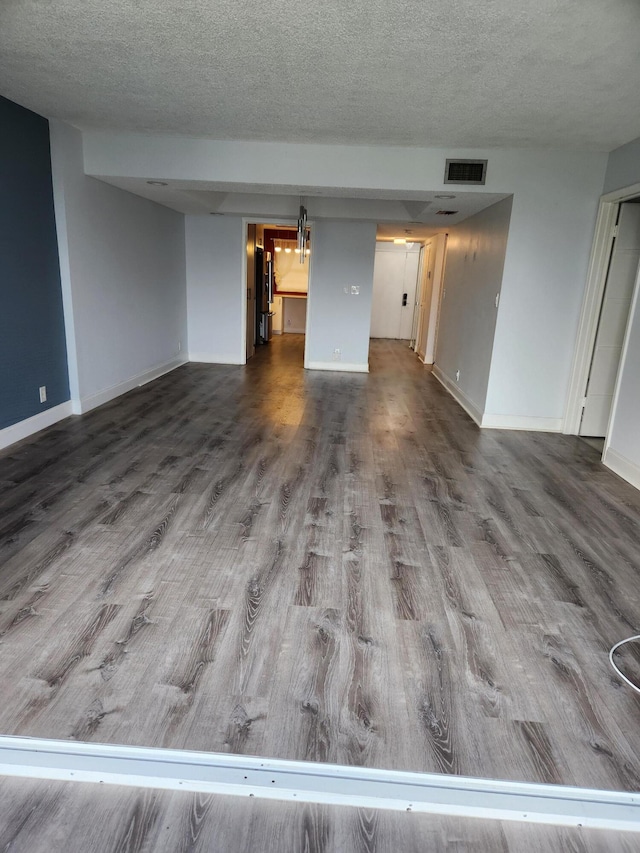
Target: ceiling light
(157,183)
(278,248)
(307,252)
(287,249)
(297,250)
(444,195)
(400,241)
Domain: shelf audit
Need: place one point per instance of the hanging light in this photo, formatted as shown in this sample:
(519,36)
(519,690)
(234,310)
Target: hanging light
(302,231)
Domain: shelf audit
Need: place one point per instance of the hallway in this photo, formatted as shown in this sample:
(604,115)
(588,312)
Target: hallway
(320,566)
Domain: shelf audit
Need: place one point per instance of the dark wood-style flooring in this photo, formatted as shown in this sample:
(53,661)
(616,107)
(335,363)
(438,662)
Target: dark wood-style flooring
(49,817)
(321,566)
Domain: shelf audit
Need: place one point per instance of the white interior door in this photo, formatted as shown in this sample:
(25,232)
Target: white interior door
(394,275)
(612,324)
(408,295)
(386,303)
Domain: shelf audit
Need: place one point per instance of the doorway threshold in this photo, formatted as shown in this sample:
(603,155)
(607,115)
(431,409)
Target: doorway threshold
(310,782)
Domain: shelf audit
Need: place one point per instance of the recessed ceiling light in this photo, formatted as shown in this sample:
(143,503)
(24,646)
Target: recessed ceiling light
(157,183)
(400,241)
(444,195)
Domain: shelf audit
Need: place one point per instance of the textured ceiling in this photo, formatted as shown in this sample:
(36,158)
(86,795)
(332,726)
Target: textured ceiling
(406,72)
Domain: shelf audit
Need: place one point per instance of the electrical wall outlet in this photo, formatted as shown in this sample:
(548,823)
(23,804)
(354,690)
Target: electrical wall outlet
(337,355)
(355,290)
(43,393)
(457,376)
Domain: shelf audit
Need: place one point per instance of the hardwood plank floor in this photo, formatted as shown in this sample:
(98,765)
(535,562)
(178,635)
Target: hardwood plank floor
(40,817)
(333,567)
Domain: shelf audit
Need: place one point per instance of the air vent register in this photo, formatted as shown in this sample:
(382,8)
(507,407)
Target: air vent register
(465,172)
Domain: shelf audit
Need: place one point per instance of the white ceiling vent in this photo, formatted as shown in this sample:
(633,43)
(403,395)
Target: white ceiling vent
(465,172)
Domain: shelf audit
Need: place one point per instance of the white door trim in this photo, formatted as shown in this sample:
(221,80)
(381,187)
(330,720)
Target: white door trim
(596,280)
(439,274)
(623,467)
(300,781)
(588,326)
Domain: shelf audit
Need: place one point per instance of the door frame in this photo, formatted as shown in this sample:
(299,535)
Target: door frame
(592,304)
(420,283)
(269,221)
(439,270)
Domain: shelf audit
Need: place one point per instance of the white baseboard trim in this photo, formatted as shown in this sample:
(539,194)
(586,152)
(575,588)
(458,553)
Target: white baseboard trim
(623,467)
(86,404)
(522,422)
(290,331)
(344,366)
(299,781)
(470,408)
(213,358)
(30,426)
(496,421)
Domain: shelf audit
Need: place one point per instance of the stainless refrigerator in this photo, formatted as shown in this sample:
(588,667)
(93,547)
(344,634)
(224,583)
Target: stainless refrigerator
(264,296)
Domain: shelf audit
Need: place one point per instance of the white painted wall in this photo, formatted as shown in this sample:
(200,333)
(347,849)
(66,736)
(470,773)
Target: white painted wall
(122,267)
(294,314)
(542,294)
(215,288)
(342,257)
(473,278)
(623,167)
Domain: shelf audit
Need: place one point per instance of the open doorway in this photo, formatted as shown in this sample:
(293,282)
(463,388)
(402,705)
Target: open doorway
(277,287)
(610,291)
(407,287)
(430,278)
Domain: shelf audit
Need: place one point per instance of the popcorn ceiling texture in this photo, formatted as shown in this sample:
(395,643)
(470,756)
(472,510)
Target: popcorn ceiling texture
(400,72)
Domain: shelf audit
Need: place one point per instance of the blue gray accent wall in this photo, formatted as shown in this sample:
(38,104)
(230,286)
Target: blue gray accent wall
(32,336)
